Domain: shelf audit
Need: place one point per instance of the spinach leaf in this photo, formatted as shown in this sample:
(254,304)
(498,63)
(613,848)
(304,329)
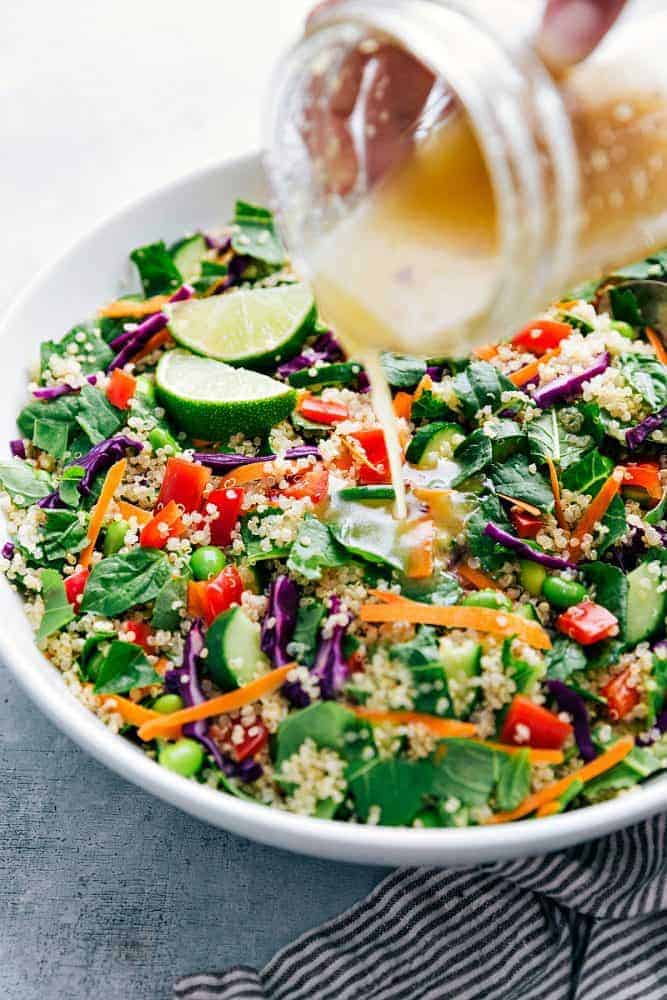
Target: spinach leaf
(68,488)
(314,549)
(328,724)
(595,421)
(50,436)
(443,589)
(397,786)
(654,266)
(254,548)
(164,614)
(64,531)
(585,292)
(304,641)
(92,353)
(124,667)
(616,523)
(473,455)
(659,512)
(88,660)
(157,271)
(96,417)
(611,589)
(588,474)
(647,376)
(430,406)
(58,611)
(62,410)
(465,771)
(513,478)
(402,371)
(625,307)
(639,764)
(513,780)
(480,385)
(564,658)
(548,439)
(490,555)
(417,652)
(255,234)
(24,484)
(122,581)
(506,436)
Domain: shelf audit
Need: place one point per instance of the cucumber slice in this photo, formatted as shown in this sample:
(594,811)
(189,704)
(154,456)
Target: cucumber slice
(234,656)
(367,493)
(342,373)
(646,605)
(188,254)
(461,659)
(256,327)
(432,443)
(526,611)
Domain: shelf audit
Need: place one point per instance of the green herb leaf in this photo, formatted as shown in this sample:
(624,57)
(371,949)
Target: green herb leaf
(24,485)
(62,410)
(254,543)
(68,488)
(97,418)
(123,581)
(647,376)
(402,371)
(50,436)
(513,478)
(465,771)
(329,725)
(90,350)
(314,549)
(125,667)
(255,234)
(430,406)
(513,780)
(157,271)
(480,385)
(57,610)
(548,439)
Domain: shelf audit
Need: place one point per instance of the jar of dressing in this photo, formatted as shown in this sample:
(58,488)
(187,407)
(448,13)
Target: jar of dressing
(438,186)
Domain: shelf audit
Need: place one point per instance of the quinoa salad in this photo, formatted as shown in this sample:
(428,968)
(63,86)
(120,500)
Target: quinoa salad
(201,526)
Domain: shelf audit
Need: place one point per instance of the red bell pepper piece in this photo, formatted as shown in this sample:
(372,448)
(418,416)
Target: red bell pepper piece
(644,476)
(621,698)
(121,388)
(228,504)
(541,336)
(322,412)
(531,725)
(377,468)
(526,525)
(184,482)
(587,623)
(142,632)
(256,736)
(162,526)
(75,586)
(221,592)
(312,482)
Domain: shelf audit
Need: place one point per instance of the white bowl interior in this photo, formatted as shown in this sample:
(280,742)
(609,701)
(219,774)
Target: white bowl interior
(88,274)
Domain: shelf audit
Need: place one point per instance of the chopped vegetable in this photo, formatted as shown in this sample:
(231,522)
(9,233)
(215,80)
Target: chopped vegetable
(321,412)
(524,550)
(567,386)
(595,511)
(183,484)
(532,725)
(111,483)
(541,336)
(121,389)
(162,526)
(587,623)
(443,728)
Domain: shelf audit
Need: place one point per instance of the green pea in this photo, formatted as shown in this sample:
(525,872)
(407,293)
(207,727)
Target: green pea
(114,537)
(160,438)
(168,703)
(184,757)
(488,599)
(563,593)
(624,329)
(531,577)
(207,562)
(427,818)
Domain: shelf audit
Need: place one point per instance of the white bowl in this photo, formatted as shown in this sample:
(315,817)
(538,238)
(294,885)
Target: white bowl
(72,289)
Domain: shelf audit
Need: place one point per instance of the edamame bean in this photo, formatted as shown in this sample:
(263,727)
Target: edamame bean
(114,537)
(207,562)
(160,438)
(531,577)
(168,703)
(562,593)
(488,599)
(184,757)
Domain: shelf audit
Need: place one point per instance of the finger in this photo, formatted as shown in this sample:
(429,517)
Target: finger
(572,28)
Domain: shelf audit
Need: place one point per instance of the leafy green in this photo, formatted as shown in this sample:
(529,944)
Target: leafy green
(68,488)
(430,406)
(595,421)
(328,724)
(97,418)
(548,439)
(396,786)
(480,385)
(255,234)
(659,512)
(443,589)
(611,589)
(588,474)
(24,485)
(640,763)
(58,611)
(92,353)
(647,376)
(125,580)
(253,542)
(124,667)
(308,621)
(525,675)
(490,555)
(210,274)
(64,531)
(421,655)
(625,307)
(473,455)
(367,532)
(419,651)
(62,410)
(564,658)
(513,779)
(506,437)
(157,271)
(314,549)
(514,478)
(402,371)
(586,291)
(654,266)
(50,436)
(88,659)
(616,523)
(465,771)
(164,614)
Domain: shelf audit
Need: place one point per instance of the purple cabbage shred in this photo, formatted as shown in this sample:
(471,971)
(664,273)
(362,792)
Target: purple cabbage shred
(569,385)
(224,462)
(131,341)
(280,620)
(51,392)
(326,348)
(17,448)
(635,436)
(100,458)
(524,550)
(435,372)
(572,703)
(8,550)
(330,666)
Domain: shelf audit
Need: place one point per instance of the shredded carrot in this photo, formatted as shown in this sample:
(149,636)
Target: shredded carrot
(548,809)
(655,340)
(595,511)
(129,510)
(157,340)
(445,728)
(422,543)
(111,484)
(486,352)
(129,309)
(135,714)
(197,602)
(555,489)
(402,405)
(255,470)
(536,756)
(566,306)
(603,763)
(500,623)
(531,370)
(522,505)
(475,577)
(217,706)
(425,385)
(387,596)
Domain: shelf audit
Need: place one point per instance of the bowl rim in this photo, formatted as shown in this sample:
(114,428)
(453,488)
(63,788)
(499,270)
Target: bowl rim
(331,839)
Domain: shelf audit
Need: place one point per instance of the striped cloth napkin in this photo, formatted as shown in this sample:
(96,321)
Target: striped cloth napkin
(587,924)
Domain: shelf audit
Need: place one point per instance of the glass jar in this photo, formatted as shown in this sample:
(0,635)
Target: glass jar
(438,186)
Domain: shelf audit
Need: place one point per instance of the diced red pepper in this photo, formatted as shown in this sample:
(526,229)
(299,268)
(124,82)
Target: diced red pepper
(162,526)
(644,476)
(256,736)
(320,411)
(541,336)
(142,632)
(526,525)
(527,724)
(184,482)
(377,468)
(587,623)
(228,504)
(621,698)
(75,586)
(312,482)
(121,388)
(218,595)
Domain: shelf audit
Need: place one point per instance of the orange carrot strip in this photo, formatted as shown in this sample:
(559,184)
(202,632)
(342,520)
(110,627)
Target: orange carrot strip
(129,510)
(135,714)
(555,489)
(655,340)
(422,543)
(402,404)
(445,728)
(157,340)
(217,706)
(111,483)
(536,756)
(387,596)
(197,602)
(127,308)
(522,505)
(425,385)
(548,809)
(253,471)
(429,493)
(486,352)
(501,623)
(475,577)
(603,763)
(596,510)
(531,370)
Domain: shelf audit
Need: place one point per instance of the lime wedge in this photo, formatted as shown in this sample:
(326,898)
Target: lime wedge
(210,400)
(256,327)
